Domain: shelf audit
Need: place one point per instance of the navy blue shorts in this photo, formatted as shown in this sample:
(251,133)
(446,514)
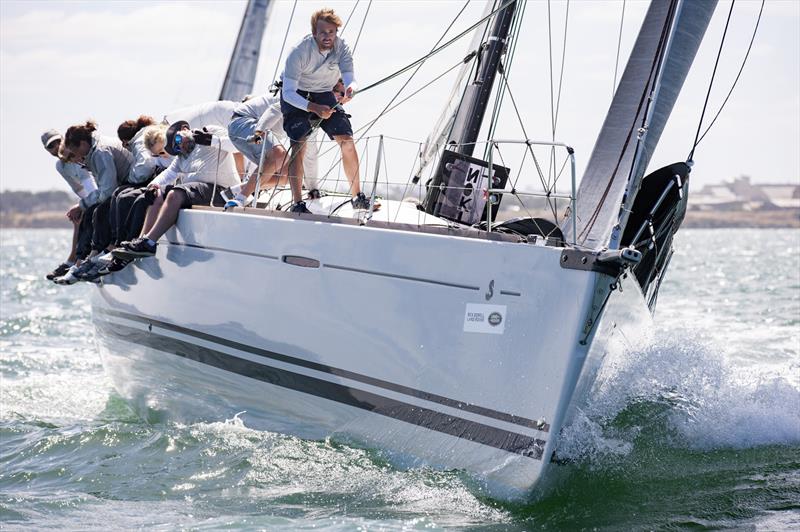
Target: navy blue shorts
(298,123)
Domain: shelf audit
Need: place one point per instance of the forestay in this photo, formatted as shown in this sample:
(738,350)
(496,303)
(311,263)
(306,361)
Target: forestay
(658,65)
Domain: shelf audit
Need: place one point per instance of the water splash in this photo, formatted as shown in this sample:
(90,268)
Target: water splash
(681,390)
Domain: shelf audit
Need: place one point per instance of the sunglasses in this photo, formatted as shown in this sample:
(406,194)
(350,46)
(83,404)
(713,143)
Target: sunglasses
(176,143)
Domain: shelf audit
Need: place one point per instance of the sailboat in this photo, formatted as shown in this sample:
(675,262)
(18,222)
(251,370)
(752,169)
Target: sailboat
(479,337)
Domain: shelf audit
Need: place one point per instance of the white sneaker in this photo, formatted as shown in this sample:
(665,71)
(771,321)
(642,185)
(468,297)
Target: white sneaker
(69,277)
(237,201)
(104,259)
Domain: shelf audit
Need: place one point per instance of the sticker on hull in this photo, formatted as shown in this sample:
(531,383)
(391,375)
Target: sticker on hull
(485,319)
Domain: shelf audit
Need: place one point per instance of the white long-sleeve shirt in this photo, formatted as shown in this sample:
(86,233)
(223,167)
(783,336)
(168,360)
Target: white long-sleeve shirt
(205,164)
(216,113)
(77,177)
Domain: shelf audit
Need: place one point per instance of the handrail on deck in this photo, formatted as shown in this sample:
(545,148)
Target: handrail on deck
(573,193)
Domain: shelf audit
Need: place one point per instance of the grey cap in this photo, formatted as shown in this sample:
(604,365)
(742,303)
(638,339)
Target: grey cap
(50,136)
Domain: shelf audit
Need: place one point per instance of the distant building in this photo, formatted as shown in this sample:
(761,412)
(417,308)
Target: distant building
(742,195)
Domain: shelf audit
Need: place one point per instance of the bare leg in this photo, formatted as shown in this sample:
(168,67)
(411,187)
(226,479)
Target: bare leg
(152,214)
(274,167)
(167,214)
(296,169)
(350,162)
(238,159)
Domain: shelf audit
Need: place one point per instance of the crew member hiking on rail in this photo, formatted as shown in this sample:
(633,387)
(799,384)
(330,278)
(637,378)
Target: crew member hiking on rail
(80,181)
(204,164)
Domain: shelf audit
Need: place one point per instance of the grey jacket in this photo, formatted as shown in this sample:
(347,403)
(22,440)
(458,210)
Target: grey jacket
(110,163)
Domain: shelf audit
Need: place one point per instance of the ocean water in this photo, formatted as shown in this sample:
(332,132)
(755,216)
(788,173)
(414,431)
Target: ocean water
(699,428)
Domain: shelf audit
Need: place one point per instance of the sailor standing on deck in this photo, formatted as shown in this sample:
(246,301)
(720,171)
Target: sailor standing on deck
(312,68)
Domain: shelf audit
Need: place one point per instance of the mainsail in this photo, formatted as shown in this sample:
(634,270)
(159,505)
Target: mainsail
(658,65)
(244,60)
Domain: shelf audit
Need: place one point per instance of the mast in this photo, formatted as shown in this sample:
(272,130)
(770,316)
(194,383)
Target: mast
(444,125)
(244,60)
(469,117)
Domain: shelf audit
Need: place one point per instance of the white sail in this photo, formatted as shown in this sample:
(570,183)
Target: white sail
(441,130)
(658,65)
(244,61)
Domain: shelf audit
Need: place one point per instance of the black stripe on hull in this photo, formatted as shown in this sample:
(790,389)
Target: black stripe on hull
(422,417)
(419,394)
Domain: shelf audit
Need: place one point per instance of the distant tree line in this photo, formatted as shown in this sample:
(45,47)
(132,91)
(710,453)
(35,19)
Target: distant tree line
(25,202)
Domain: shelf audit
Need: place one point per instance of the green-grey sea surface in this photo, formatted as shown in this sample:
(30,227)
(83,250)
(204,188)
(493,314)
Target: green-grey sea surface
(698,429)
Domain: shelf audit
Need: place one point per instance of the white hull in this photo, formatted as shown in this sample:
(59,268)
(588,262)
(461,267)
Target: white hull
(361,332)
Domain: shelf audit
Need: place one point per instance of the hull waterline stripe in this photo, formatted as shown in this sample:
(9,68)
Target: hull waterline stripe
(379,383)
(403,277)
(422,417)
(235,252)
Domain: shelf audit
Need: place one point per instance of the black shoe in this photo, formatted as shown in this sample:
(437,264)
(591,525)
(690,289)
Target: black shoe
(85,268)
(138,247)
(60,270)
(92,275)
(300,208)
(360,201)
(116,265)
(314,193)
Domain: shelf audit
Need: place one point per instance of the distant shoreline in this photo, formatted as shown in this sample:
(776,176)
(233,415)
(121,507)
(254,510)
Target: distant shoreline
(767,219)
(47,210)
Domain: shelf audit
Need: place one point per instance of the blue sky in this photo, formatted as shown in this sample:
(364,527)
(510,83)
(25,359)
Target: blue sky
(63,62)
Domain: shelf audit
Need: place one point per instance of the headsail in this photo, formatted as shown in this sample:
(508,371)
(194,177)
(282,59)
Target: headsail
(441,131)
(659,63)
(244,60)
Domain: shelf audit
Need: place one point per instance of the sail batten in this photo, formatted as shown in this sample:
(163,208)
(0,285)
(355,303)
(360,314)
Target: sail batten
(614,166)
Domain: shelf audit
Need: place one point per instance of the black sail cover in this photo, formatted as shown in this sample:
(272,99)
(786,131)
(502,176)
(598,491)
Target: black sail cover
(602,188)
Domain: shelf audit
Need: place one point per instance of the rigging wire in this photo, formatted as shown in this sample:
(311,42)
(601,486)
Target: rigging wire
(561,75)
(388,107)
(283,44)
(654,67)
(619,46)
(505,71)
(545,185)
(360,29)
(437,50)
(713,75)
(404,100)
(744,61)
(348,17)
(555,105)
